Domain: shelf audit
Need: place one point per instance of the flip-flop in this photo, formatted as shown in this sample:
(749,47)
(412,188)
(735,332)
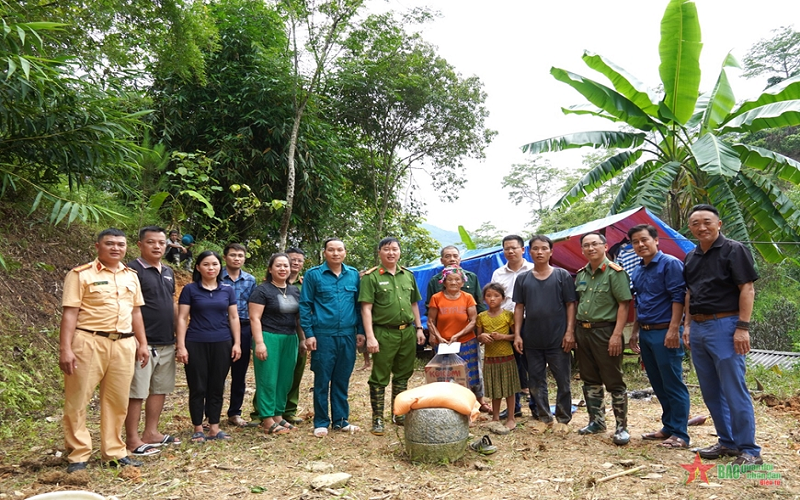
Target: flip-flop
(277,428)
(198,437)
(674,442)
(498,428)
(167,440)
(220,436)
(238,421)
(145,450)
(287,425)
(320,432)
(351,428)
(655,436)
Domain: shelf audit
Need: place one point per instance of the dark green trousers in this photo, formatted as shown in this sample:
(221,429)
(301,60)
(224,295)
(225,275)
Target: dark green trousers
(598,369)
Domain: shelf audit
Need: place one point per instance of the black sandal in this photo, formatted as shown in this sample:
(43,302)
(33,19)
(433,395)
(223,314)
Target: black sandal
(286,425)
(483,446)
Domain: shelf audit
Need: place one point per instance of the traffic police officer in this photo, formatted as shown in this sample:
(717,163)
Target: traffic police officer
(101,315)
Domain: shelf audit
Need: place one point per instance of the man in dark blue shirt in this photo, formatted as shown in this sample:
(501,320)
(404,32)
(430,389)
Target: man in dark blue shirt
(155,380)
(331,318)
(719,276)
(659,295)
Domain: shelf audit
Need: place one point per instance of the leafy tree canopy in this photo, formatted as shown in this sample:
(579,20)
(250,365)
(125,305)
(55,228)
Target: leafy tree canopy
(406,107)
(55,125)
(681,147)
(777,57)
(126,41)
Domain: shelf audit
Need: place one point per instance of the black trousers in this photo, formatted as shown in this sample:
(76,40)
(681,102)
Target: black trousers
(239,372)
(209,363)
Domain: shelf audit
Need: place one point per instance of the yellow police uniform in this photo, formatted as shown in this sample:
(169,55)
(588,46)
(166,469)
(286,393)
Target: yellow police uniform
(105,354)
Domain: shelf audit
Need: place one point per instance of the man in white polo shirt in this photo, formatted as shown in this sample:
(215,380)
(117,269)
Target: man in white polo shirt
(514,250)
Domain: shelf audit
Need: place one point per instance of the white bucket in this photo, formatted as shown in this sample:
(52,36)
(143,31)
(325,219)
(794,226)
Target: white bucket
(68,495)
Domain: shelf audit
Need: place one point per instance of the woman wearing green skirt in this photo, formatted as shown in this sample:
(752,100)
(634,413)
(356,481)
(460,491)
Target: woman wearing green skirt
(274,321)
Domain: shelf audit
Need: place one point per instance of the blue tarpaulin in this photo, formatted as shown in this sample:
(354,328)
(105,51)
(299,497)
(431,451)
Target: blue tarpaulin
(566,248)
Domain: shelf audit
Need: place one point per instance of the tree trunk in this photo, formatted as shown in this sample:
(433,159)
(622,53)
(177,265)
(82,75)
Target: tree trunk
(290,182)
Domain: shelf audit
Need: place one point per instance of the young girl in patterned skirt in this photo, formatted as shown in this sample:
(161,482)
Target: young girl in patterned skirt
(500,376)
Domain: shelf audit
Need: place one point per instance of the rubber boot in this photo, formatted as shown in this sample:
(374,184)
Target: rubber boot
(595,406)
(376,399)
(619,402)
(397,388)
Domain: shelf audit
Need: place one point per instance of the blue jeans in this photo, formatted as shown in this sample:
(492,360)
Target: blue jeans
(560,363)
(665,370)
(720,372)
(332,364)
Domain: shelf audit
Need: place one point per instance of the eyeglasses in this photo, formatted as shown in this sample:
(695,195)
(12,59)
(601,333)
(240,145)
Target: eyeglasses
(592,244)
(511,249)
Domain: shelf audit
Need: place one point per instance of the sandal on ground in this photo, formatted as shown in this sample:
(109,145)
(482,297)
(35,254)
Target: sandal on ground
(198,437)
(277,428)
(483,446)
(293,419)
(237,421)
(166,440)
(485,408)
(655,436)
(348,428)
(320,432)
(498,428)
(287,425)
(674,442)
(145,450)
(220,436)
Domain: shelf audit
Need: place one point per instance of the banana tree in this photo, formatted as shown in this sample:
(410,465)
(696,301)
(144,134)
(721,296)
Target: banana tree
(680,147)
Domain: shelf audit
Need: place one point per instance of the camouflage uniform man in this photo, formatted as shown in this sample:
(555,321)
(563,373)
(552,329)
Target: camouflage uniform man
(390,314)
(604,295)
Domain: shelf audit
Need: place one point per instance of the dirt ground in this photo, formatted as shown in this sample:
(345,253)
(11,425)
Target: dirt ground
(531,462)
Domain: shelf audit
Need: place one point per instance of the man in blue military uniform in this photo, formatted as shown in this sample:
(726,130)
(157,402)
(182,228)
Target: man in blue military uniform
(331,319)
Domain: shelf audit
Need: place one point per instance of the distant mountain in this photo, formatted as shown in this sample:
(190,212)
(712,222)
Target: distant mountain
(443,236)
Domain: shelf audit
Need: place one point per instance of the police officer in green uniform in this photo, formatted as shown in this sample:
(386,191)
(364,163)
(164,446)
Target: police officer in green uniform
(604,295)
(392,325)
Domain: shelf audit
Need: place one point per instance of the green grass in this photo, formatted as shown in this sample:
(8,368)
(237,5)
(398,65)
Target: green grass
(780,382)
(30,380)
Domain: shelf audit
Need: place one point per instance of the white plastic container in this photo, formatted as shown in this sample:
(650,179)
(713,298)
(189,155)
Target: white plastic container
(68,495)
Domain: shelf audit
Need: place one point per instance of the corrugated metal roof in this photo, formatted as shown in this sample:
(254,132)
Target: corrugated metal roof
(772,358)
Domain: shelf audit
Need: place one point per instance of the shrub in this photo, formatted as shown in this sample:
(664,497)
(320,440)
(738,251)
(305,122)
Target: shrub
(772,331)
